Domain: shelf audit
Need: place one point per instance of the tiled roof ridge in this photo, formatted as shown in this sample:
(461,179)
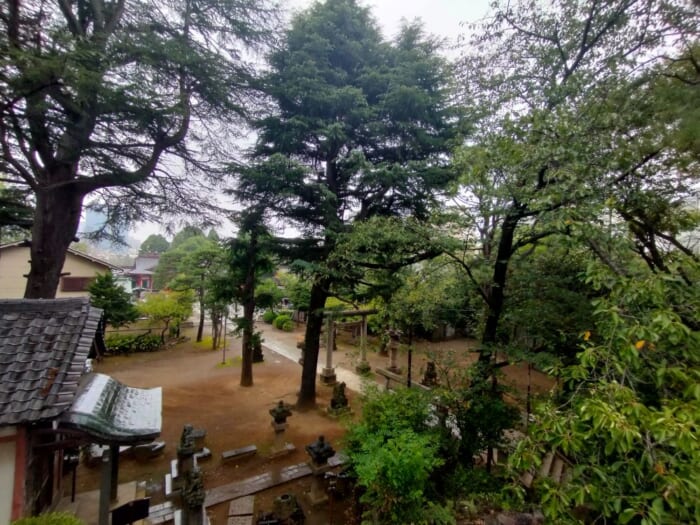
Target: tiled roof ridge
(41,369)
(56,305)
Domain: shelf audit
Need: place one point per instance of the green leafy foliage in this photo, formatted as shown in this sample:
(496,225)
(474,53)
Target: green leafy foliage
(154,243)
(118,344)
(629,420)
(167,308)
(50,518)
(115,302)
(394,452)
(281,320)
(269,316)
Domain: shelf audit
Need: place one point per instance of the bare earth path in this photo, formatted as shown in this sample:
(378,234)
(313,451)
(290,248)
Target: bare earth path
(197,390)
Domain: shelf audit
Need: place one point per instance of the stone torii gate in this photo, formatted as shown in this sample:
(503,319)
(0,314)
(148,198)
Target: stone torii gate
(328,373)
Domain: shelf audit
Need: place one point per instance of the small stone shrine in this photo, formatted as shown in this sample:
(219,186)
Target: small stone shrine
(279,414)
(339,401)
(430,378)
(319,451)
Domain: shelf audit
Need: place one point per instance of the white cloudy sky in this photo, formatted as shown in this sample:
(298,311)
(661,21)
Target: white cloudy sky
(443,18)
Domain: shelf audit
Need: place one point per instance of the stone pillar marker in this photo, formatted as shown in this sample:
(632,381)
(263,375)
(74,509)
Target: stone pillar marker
(363,366)
(185,451)
(319,451)
(393,351)
(328,374)
(193,497)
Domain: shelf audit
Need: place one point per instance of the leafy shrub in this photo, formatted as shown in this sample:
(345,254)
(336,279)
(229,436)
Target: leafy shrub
(395,454)
(50,518)
(269,316)
(288,326)
(280,320)
(118,344)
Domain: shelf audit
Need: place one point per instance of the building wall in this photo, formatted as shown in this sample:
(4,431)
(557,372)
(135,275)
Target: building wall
(8,452)
(14,265)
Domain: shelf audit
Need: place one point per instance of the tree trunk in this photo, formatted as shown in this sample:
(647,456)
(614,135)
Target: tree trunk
(314,323)
(498,283)
(248,312)
(247,344)
(56,221)
(200,328)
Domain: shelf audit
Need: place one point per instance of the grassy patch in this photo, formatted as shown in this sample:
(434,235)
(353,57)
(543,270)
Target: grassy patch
(232,361)
(204,344)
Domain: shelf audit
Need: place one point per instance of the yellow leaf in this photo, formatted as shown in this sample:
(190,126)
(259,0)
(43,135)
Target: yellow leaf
(586,335)
(640,344)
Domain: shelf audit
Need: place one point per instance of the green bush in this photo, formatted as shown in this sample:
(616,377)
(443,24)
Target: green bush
(118,344)
(269,316)
(288,326)
(50,518)
(280,320)
(395,454)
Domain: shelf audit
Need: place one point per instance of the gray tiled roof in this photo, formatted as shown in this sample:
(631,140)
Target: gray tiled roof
(43,347)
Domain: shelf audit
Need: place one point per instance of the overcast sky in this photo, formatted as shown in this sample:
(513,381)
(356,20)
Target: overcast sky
(442,18)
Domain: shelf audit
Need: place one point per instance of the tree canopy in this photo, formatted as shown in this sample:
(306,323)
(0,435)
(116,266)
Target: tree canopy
(97,98)
(361,128)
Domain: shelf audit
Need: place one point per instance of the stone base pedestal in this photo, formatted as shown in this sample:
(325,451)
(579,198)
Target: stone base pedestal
(363,367)
(328,376)
(317,495)
(280,447)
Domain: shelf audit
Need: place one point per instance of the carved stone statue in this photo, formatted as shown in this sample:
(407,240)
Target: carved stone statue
(430,377)
(339,401)
(186,445)
(320,451)
(280,413)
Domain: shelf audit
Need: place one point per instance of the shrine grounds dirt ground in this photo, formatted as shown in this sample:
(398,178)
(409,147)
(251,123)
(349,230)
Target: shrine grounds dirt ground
(199,391)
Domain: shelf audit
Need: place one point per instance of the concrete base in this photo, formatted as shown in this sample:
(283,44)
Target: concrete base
(317,495)
(279,451)
(328,376)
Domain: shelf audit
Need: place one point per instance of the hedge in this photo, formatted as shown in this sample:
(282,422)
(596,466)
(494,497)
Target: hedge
(118,344)
(280,320)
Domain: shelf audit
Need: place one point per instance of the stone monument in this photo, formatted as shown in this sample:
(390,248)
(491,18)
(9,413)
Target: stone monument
(319,451)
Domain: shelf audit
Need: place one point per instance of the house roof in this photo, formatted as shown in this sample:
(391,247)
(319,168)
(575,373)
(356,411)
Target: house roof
(144,264)
(43,347)
(25,244)
(115,413)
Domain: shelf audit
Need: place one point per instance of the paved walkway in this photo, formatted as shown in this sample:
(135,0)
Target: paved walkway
(285,344)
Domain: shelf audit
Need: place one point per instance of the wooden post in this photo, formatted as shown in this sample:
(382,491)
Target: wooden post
(114,472)
(105,488)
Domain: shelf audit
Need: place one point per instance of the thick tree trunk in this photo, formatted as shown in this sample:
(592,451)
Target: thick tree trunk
(498,283)
(248,313)
(247,344)
(56,221)
(200,328)
(314,323)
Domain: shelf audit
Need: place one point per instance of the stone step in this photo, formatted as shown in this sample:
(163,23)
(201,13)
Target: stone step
(241,506)
(239,453)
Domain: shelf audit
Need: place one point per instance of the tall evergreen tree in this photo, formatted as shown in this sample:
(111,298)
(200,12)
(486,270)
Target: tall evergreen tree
(96,94)
(362,129)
